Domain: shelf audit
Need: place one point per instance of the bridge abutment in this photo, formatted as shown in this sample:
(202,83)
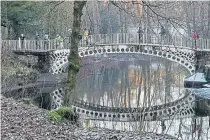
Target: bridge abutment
(202,59)
(44,63)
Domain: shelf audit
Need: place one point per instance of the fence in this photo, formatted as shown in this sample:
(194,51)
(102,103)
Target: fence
(33,45)
(124,38)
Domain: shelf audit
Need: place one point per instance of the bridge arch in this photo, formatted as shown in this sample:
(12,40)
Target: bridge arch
(183,56)
(181,108)
(187,106)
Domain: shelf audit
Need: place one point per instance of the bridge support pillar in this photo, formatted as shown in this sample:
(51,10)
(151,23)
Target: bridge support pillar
(202,59)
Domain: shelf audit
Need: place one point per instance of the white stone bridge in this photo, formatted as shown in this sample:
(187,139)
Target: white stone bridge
(180,50)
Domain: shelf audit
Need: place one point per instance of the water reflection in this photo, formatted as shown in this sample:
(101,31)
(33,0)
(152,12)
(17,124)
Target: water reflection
(136,81)
(120,81)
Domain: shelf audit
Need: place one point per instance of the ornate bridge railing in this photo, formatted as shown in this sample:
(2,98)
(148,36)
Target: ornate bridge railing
(120,38)
(34,45)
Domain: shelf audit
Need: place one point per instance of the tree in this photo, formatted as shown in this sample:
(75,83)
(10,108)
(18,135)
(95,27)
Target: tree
(21,16)
(74,60)
(58,18)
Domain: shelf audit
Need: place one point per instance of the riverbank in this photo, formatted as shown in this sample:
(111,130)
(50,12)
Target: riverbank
(21,121)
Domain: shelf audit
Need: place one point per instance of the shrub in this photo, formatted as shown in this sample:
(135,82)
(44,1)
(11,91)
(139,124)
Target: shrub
(54,116)
(63,114)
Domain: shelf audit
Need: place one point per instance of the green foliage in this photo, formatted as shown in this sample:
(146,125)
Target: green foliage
(75,66)
(21,15)
(54,116)
(61,115)
(31,17)
(64,111)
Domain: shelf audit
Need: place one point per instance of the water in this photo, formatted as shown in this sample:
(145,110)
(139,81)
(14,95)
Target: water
(136,81)
(133,83)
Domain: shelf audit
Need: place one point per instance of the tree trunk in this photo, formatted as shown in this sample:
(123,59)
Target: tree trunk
(185,6)
(139,90)
(193,17)
(167,81)
(208,33)
(74,60)
(202,32)
(121,88)
(145,86)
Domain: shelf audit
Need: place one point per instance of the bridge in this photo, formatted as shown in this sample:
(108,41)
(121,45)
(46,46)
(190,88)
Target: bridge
(180,50)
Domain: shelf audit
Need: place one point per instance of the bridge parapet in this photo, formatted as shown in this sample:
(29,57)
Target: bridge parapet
(118,38)
(123,38)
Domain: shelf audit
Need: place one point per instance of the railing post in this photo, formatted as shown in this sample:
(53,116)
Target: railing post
(99,38)
(15,44)
(90,39)
(32,44)
(9,44)
(24,46)
(53,44)
(111,38)
(29,44)
(117,38)
(49,44)
(201,44)
(35,47)
(19,45)
(144,41)
(2,45)
(6,46)
(205,44)
(181,41)
(40,45)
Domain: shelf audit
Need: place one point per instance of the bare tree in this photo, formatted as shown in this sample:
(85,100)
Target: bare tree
(74,60)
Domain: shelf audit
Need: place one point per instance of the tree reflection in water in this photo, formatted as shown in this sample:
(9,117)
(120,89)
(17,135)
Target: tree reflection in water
(130,82)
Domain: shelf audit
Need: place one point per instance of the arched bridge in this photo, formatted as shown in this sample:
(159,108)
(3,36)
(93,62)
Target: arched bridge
(178,48)
(188,57)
